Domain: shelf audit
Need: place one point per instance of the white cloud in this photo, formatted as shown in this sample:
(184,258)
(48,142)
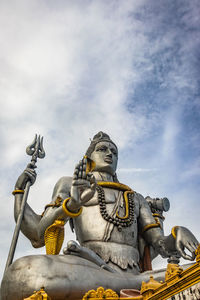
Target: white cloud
(69,70)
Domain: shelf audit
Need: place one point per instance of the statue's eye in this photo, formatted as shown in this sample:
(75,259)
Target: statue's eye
(114,151)
(102,149)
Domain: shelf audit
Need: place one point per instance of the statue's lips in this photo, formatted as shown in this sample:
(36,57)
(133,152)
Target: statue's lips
(108,160)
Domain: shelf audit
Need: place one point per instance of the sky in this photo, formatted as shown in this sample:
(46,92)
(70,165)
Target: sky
(69,69)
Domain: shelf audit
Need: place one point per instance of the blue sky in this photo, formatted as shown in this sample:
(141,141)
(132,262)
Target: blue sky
(129,68)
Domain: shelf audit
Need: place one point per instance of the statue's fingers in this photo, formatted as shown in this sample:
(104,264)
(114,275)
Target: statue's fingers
(192,249)
(30,172)
(76,170)
(84,164)
(185,256)
(80,172)
(192,246)
(182,252)
(75,176)
(91,178)
(84,176)
(93,187)
(31,175)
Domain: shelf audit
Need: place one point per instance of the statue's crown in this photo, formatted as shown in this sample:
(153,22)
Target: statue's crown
(99,137)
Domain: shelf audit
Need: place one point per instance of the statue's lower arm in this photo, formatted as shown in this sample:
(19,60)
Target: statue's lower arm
(174,244)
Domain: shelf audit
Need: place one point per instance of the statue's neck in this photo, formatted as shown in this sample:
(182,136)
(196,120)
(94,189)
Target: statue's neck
(103,176)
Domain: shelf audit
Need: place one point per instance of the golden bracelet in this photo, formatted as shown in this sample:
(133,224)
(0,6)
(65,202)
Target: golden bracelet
(18,192)
(173,231)
(159,216)
(149,226)
(69,213)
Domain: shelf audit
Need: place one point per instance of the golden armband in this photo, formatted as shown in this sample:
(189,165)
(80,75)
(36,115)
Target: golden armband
(18,192)
(156,215)
(149,226)
(69,213)
(173,231)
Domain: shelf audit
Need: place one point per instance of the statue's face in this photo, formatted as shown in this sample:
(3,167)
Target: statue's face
(105,156)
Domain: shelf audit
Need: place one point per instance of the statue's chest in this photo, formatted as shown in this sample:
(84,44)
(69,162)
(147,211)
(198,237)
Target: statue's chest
(111,196)
(92,225)
(114,202)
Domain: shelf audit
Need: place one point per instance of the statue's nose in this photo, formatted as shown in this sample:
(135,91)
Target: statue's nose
(109,153)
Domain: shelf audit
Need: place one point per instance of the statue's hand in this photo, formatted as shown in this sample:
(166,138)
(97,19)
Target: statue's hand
(29,174)
(185,240)
(83,186)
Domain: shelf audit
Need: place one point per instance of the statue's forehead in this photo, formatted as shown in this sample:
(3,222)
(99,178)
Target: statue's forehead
(105,143)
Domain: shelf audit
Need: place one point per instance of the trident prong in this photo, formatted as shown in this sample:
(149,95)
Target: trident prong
(36,149)
(41,153)
(31,148)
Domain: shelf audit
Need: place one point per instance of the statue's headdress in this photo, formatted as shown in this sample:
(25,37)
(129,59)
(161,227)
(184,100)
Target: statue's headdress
(99,137)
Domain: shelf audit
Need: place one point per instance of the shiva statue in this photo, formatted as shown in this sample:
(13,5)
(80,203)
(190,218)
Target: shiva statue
(119,232)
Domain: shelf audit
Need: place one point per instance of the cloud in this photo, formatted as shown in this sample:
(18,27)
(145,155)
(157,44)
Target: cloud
(128,68)
(132,170)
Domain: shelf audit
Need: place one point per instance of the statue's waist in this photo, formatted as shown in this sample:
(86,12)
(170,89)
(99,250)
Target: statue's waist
(90,226)
(122,255)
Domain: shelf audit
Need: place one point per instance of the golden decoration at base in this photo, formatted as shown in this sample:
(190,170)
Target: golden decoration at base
(100,293)
(40,295)
(176,280)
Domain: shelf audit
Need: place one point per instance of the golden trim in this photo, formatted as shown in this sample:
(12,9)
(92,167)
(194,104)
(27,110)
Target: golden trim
(176,281)
(173,270)
(126,205)
(197,253)
(90,165)
(173,231)
(18,192)
(56,203)
(100,293)
(114,185)
(149,226)
(54,237)
(39,295)
(159,216)
(69,213)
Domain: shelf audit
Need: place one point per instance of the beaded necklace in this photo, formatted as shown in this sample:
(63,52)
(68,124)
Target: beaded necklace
(128,194)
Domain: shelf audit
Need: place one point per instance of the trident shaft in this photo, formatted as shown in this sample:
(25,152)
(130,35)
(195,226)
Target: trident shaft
(36,150)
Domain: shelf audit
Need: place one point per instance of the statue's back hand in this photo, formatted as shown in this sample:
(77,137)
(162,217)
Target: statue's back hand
(186,240)
(29,174)
(83,186)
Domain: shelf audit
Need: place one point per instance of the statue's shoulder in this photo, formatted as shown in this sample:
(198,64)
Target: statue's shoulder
(65,181)
(139,198)
(62,186)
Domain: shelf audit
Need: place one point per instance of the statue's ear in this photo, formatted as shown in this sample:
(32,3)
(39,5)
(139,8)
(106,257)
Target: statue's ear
(90,165)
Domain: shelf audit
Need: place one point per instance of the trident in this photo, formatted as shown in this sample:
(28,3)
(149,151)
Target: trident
(37,151)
